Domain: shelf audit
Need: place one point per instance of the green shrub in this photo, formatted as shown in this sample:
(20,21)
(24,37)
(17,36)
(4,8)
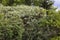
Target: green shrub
(11,24)
(28,23)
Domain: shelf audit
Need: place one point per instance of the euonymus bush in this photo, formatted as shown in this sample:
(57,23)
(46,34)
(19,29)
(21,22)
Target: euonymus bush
(28,23)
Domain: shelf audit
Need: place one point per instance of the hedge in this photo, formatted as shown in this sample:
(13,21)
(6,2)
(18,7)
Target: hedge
(11,24)
(28,23)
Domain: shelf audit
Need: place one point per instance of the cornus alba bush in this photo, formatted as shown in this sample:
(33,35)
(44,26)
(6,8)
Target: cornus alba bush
(28,23)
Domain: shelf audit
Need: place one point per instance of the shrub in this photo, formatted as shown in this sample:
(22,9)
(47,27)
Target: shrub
(28,23)
(11,24)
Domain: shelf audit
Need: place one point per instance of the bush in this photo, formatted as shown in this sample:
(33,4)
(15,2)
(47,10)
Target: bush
(11,24)
(28,23)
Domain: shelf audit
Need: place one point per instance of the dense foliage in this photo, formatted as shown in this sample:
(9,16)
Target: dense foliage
(38,21)
(28,23)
